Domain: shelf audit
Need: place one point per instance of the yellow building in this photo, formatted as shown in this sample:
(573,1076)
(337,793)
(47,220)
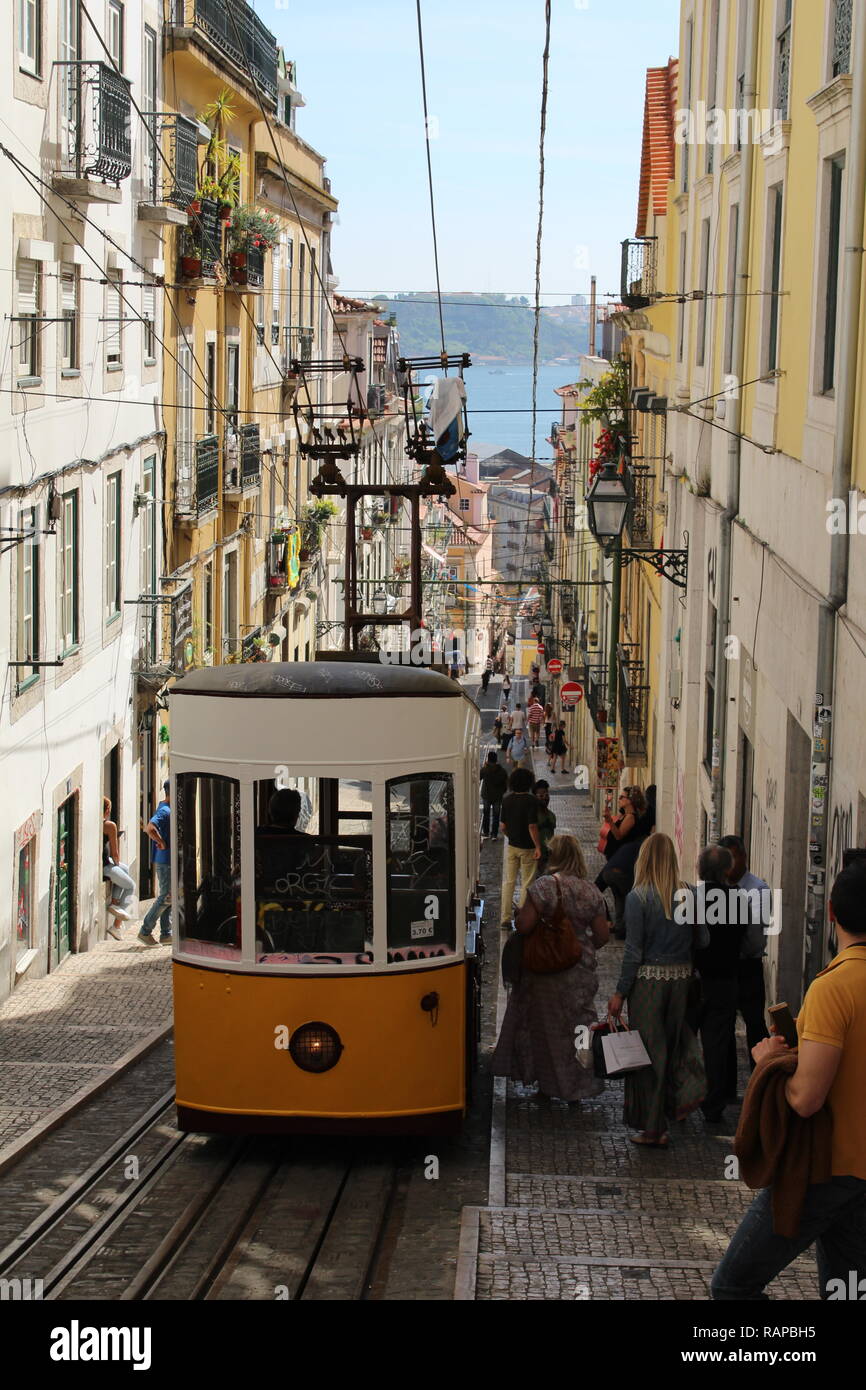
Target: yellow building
(246,272)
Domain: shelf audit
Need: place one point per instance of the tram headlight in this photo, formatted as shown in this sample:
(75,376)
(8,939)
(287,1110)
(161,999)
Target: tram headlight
(315,1047)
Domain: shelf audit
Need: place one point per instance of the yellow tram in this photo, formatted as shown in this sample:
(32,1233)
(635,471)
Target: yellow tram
(324,872)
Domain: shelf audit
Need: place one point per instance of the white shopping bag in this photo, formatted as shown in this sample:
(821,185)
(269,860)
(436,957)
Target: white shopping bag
(624,1052)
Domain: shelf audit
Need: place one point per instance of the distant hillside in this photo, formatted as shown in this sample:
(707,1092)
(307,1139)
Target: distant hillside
(488,326)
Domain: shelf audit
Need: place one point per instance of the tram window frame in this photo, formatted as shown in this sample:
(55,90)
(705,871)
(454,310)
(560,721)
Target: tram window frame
(327,801)
(422,942)
(190,812)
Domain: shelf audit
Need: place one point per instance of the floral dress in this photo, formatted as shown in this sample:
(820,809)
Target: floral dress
(537,1042)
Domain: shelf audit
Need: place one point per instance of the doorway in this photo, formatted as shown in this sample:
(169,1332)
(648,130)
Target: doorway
(64,880)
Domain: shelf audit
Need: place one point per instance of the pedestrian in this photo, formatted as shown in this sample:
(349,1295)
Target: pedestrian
(518,719)
(494,785)
(535,719)
(506,688)
(826,1073)
(519,824)
(655,978)
(558,748)
(718,962)
(537,1041)
(548,726)
(485,679)
(519,752)
(505,727)
(751,994)
(123,885)
(158,829)
(626,833)
(546,821)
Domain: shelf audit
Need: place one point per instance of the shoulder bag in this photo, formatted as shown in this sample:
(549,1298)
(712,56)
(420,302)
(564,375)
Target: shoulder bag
(552,945)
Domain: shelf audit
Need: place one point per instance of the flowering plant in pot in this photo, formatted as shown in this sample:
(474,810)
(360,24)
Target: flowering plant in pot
(190,257)
(251,226)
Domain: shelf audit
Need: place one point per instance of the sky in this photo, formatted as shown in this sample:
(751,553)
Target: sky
(358,70)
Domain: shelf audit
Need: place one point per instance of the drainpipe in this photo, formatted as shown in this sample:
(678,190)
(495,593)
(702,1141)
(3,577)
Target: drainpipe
(734,458)
(843,450)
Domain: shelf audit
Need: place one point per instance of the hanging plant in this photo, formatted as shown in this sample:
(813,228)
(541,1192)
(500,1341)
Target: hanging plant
(251,226)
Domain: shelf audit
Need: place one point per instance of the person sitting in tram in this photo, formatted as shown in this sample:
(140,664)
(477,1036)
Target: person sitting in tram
(284,808)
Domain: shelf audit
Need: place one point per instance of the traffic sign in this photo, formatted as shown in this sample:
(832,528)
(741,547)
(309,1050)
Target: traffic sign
(540,647)
(571,694)
(554,665)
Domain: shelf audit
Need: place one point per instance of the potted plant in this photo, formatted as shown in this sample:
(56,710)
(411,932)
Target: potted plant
(228,187)
(250,228)
(366,533)
(190,258)
(314,518)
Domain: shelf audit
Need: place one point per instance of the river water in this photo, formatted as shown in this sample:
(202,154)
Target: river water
(495,397)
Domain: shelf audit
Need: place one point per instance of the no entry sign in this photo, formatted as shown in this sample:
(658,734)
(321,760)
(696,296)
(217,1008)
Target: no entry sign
(540,647)
(571,694)
(554,665)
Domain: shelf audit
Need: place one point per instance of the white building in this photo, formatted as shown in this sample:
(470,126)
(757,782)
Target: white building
(81,462)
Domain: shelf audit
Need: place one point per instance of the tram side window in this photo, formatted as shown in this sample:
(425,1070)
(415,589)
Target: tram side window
(421,866)
(314,885)
(208,813)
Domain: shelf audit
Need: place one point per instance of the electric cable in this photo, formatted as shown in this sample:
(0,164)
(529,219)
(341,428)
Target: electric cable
(430,179)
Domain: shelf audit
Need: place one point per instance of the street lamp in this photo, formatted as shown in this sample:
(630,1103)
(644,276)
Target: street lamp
(546,627)
(380,602)
(608,502)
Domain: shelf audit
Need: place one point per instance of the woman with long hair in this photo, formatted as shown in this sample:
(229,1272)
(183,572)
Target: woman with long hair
(537,1042)
(655,976)
(625,834)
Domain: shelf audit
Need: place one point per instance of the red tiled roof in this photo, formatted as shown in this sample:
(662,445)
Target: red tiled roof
(657,154)
(344,305)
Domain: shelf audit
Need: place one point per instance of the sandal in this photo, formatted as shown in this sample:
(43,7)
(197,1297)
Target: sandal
(645,1142)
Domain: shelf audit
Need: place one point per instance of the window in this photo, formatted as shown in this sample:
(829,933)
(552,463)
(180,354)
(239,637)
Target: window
(230,603)
(184,429)
(831,294)
(276,272)
(775,227)
(113,337)
(207,607)
(112,545)
(69,317)
(24,909)
(731,285)
(313,286)
(29,35)
(681,332)
(27,332)
(148,311)
(210,392)
(841,37)
(712,74)
(314,871)
(69,572)
(701,347)
(687,92)
(287,108)
(207,812)
(149,102)
(710,686)
(420,841)
(260,319)
(149,558)
(464,504)
(233,381)
(290,265)
(302,275)
(115,32)
(783,58)
(28,595)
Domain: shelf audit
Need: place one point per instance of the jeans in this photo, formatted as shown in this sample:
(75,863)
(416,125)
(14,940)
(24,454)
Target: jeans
(161,904)
(490,818)
(119,876)
(833,1216)
(524,862)
(750,1002)
(717,1021)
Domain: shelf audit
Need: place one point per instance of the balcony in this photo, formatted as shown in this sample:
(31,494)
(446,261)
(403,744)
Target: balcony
(243,458)
(640,521)
(638,272)
(196,485)
(92,132)
(200,246)
(842,37)
(596,696)
(150,671)
(633,704)
(170,175)
(228,29)
(298,348)
(246,268)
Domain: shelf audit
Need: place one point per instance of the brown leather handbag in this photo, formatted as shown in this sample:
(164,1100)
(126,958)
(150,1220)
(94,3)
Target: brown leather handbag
(552,945)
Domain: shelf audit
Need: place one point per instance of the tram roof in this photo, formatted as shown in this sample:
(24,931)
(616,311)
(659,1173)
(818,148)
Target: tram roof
(316,680)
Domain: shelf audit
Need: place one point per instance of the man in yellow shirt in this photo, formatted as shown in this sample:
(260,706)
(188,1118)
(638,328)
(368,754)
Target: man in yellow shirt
(831,1070)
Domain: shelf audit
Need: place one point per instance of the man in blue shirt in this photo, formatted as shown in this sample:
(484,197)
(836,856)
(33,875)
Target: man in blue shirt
(158,829)
(751,1000)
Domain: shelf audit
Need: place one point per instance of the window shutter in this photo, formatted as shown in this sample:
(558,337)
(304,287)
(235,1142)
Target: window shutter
(68,296)
(28,287)
(149,304)
(113,310)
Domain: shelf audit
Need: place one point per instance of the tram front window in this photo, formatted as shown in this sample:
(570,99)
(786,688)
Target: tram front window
(208,816)
(314,872)
(420,867)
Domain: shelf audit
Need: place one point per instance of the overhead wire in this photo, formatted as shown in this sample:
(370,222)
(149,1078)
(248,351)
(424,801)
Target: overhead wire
(430,178)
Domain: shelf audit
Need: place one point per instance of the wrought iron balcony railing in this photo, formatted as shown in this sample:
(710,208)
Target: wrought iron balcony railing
(298,346)
(638,271)
(171,179)
(633,702)
(196,487)
(596,695)
(246,266)
(250,454)
(842,37)
(783,69)
(640,522)
(93,135)
(234,31)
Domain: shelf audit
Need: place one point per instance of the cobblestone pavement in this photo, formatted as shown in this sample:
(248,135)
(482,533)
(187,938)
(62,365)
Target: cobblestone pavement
(586,1214)
(61,1033)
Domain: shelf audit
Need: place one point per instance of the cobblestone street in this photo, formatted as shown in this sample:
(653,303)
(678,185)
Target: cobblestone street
(575,1211)
(67,1032)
